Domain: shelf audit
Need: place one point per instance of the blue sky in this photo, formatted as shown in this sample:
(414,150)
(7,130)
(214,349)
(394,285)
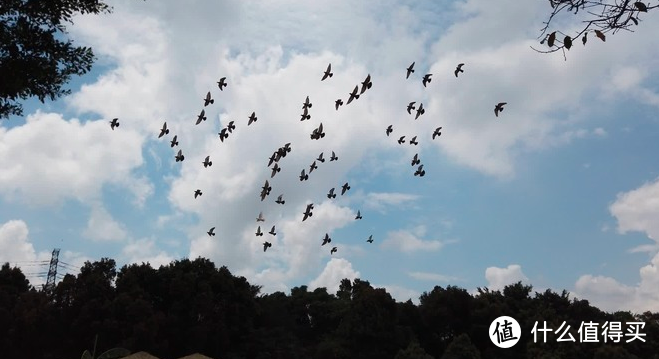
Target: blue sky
(560,191)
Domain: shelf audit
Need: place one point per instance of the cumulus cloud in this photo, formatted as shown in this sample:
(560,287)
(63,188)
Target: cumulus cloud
(102,227)
(410,241)
(335,270)
(146,250)
(499,278)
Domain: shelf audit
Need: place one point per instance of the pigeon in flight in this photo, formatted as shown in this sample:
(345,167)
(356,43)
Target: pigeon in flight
(437,132)
(390,129)
(265,190)
(338,103)
(333,250)
(223,134)
(174,142)
(197,193)
(260,217)
(303,176)
(313,166)
(370,239)
(333,157)
(416,160)
(163,130)
(280,199)
(272,231)
(258,232)
(367,84)
(210,232)
(426,79)
(252,118)
(305,115)
(318,133)
(458,69)
(266,245)
(320,158)
(353,95)
(275,169)
(327,73)
(222,83)
(231,127)
(410,70)
(413,141)
(179,156)
(114,123)
(201,117)
(419,111)
(345,188)
(207,162)
(326,239)
(306,104)
(401,140)
(272,158)
(420,171)
(307,213)
(410,107)
(499,108)
(331,194)
(359,215)
(208,100)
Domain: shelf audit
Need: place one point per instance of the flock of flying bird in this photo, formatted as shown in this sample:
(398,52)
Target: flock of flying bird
(317,134)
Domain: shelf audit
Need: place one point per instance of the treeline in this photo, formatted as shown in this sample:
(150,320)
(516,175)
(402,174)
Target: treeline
(192,306)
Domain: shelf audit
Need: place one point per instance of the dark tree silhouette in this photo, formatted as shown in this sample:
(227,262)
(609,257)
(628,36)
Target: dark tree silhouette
(601,17)
(34,60)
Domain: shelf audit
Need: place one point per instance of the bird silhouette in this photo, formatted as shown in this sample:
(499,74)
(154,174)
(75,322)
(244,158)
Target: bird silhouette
(207,162)
(303,176)
(401,140)
(179,156)
(272,231)
(174,142)
(210,232)
(223,134)
(370,239)
(390,129)
(338,103)
(265,190)
(231,126)
(313,166)
(275,169)
(266,245)
(359,215)
(426,79)
(307,213)
(345,188)
(208,100)
(326,239)
(436,133)
(366,84)
(410,70)
(318,133)
(419,111)
(163,130)
(272,158)
(333,157)
(410,107)
(305,115)
(201,117)
(331,194)
(280,199)
(306,104)
(197,193)
(499,108)
(420,171)
(260,217)
(258,232)
(327,73)
(320,158)
(458,69)
(353,95)
(222,83)
(416,160)
(413,141)
(114,123)
(333,250)
(252,118)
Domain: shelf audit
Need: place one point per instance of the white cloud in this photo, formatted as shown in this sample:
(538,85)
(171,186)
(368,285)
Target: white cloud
(410,241)
(401,294)
(146,250)
(499,278)
(335,270)
(102,227)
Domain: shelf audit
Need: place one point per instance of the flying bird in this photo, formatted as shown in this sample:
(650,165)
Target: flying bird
(410,107)
(359,215)
(333,250)
(390,129)
(305,115)
(260,217)
(223,134)
(331,194)
(318,133)
(163,130)
(201,117)
(420,171)
(436,132)
(313,166)
(333,157)
(416,160)
(426,79)
(458,69)
(303,176)
(272,231)
(272,158)
(326,239)
(367,84)
(307,213)
(266,245)
(401,140)
(231,126)
(252,118)
(280,199)
(327,73)
(208,100)
(345,188)
(353,95)
(499,108)
(410,70)
(210,232)
(207,162)
(197,193)
(114,123)
(265,190)
(306,104)
(222,83)
(275,169)
(413,141)
(320,158)
(179,156)
(419,111)
(370,239)
(338,103)
(258,232)
(174,142)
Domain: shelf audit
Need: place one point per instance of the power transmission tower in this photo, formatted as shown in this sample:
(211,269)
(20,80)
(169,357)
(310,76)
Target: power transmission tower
(52,272)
